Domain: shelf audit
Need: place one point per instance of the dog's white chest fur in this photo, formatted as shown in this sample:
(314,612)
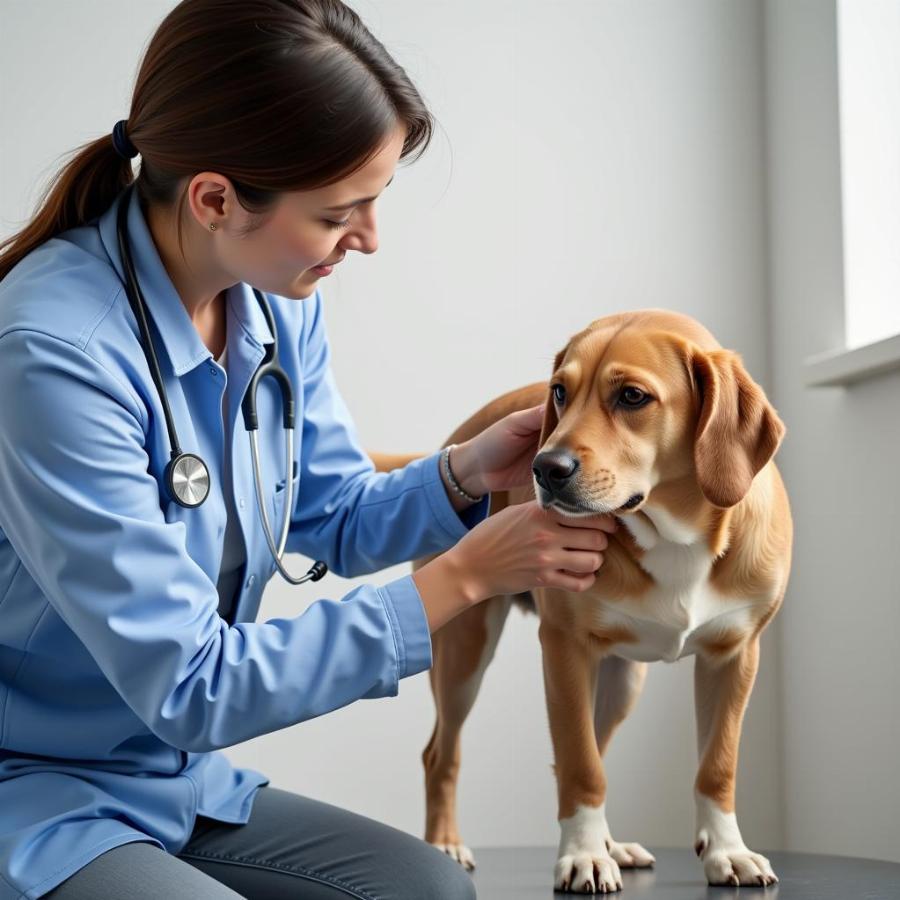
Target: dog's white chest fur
(682,607)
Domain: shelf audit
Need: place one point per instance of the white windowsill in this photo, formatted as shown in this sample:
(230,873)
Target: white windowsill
(842,367)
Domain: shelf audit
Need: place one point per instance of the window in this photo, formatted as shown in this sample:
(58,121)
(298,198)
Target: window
(869,86)
(868,48)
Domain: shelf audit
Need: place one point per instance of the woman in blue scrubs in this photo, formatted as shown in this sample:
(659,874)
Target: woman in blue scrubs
(129,650)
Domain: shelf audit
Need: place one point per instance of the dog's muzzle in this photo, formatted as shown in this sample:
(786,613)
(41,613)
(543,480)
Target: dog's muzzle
(554,470)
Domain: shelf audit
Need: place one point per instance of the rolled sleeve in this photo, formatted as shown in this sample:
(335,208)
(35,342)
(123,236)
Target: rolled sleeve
(410,625)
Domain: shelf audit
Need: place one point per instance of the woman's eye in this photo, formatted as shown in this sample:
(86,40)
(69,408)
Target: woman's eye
(633,397)
(345,223)
(559,394)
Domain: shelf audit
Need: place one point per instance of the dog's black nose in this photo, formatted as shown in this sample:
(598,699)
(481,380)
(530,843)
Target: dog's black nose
(553,469)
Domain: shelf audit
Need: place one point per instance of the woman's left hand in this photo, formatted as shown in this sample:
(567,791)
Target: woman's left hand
(500,457)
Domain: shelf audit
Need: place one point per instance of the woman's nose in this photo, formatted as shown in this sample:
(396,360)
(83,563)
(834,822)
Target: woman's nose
(363,242)
(363,236)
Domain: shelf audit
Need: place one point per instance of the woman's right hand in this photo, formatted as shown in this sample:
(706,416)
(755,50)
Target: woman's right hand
(525,546)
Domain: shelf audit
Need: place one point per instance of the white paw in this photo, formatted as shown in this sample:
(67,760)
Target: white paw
(736,866)
(726,858)
(587,873)
(630,855)
(459,852)
(584,862)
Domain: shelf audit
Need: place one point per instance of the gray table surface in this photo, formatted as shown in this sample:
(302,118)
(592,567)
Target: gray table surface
(526,873)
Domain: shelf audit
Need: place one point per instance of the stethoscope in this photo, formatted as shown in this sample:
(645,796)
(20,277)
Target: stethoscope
(186,475)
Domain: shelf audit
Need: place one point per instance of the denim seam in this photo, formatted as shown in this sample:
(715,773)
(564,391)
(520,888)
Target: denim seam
(273,866)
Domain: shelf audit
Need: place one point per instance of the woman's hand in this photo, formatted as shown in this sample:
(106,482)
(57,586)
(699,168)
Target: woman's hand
(519,548)
(500,457)
(524,546)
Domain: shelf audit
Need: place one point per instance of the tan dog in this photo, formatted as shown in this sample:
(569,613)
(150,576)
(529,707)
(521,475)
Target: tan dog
(647,417)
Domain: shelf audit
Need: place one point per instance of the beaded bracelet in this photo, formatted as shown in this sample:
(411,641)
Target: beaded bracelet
(445,462)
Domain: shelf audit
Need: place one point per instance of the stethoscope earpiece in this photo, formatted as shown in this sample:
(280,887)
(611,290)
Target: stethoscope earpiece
(186,475)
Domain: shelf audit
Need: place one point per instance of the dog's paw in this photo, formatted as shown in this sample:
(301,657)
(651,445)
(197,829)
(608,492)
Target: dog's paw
(726,858)
(462,854)
(630,855)
(734,864)
(587,873)
(583,862)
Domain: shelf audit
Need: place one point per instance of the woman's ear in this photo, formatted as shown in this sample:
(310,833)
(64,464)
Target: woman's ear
(550,418)
(738,430)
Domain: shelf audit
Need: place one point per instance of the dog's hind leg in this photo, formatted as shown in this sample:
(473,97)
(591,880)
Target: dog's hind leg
(619,685)
(461,651)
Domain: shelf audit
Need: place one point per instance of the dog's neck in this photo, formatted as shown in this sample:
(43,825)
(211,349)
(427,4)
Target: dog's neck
(679,522)
(676,551)
(676,512)
(678,516)
(654,524)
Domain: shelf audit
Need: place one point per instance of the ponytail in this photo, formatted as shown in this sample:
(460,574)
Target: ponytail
(83,189)
(276,95)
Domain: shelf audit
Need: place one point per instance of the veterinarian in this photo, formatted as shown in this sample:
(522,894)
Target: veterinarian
(158,335)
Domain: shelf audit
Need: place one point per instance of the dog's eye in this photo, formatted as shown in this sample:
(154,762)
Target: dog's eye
(633,397)
(559,394)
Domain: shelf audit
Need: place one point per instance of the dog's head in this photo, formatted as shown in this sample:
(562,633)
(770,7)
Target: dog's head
(643,398)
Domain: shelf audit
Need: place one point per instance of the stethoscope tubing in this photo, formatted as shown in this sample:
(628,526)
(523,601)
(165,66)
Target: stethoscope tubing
(197,472)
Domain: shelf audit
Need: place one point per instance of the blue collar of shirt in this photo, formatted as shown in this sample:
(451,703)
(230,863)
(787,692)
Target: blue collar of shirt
(179,336)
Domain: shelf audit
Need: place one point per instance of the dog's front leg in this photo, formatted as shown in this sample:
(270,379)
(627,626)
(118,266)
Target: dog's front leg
(583,862)
(721,692)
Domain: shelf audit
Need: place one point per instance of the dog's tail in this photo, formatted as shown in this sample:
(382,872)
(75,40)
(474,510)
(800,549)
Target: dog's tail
(387,462)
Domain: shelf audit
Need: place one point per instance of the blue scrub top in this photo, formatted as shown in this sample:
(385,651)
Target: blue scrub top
(119,681)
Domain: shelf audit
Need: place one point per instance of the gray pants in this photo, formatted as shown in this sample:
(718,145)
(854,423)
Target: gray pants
(291,847)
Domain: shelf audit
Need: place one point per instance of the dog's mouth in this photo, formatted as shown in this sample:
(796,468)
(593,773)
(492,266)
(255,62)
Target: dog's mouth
(572,509)
(560,483)
(633,501)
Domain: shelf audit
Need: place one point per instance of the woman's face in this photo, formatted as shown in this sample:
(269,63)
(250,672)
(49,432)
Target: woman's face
(305,234)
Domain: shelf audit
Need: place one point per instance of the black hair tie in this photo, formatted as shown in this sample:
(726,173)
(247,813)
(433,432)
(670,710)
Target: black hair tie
(121,143)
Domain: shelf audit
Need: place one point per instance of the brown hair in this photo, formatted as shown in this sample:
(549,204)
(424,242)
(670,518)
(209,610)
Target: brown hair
(276,95)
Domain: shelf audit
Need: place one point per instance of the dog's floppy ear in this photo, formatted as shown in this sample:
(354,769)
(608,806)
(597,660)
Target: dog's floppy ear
(550,418)
(738,430)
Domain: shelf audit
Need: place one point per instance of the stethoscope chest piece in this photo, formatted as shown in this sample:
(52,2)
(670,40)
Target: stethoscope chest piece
(188,479)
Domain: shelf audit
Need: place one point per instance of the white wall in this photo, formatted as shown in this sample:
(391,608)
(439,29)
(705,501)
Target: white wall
(841,621)
(605,156)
